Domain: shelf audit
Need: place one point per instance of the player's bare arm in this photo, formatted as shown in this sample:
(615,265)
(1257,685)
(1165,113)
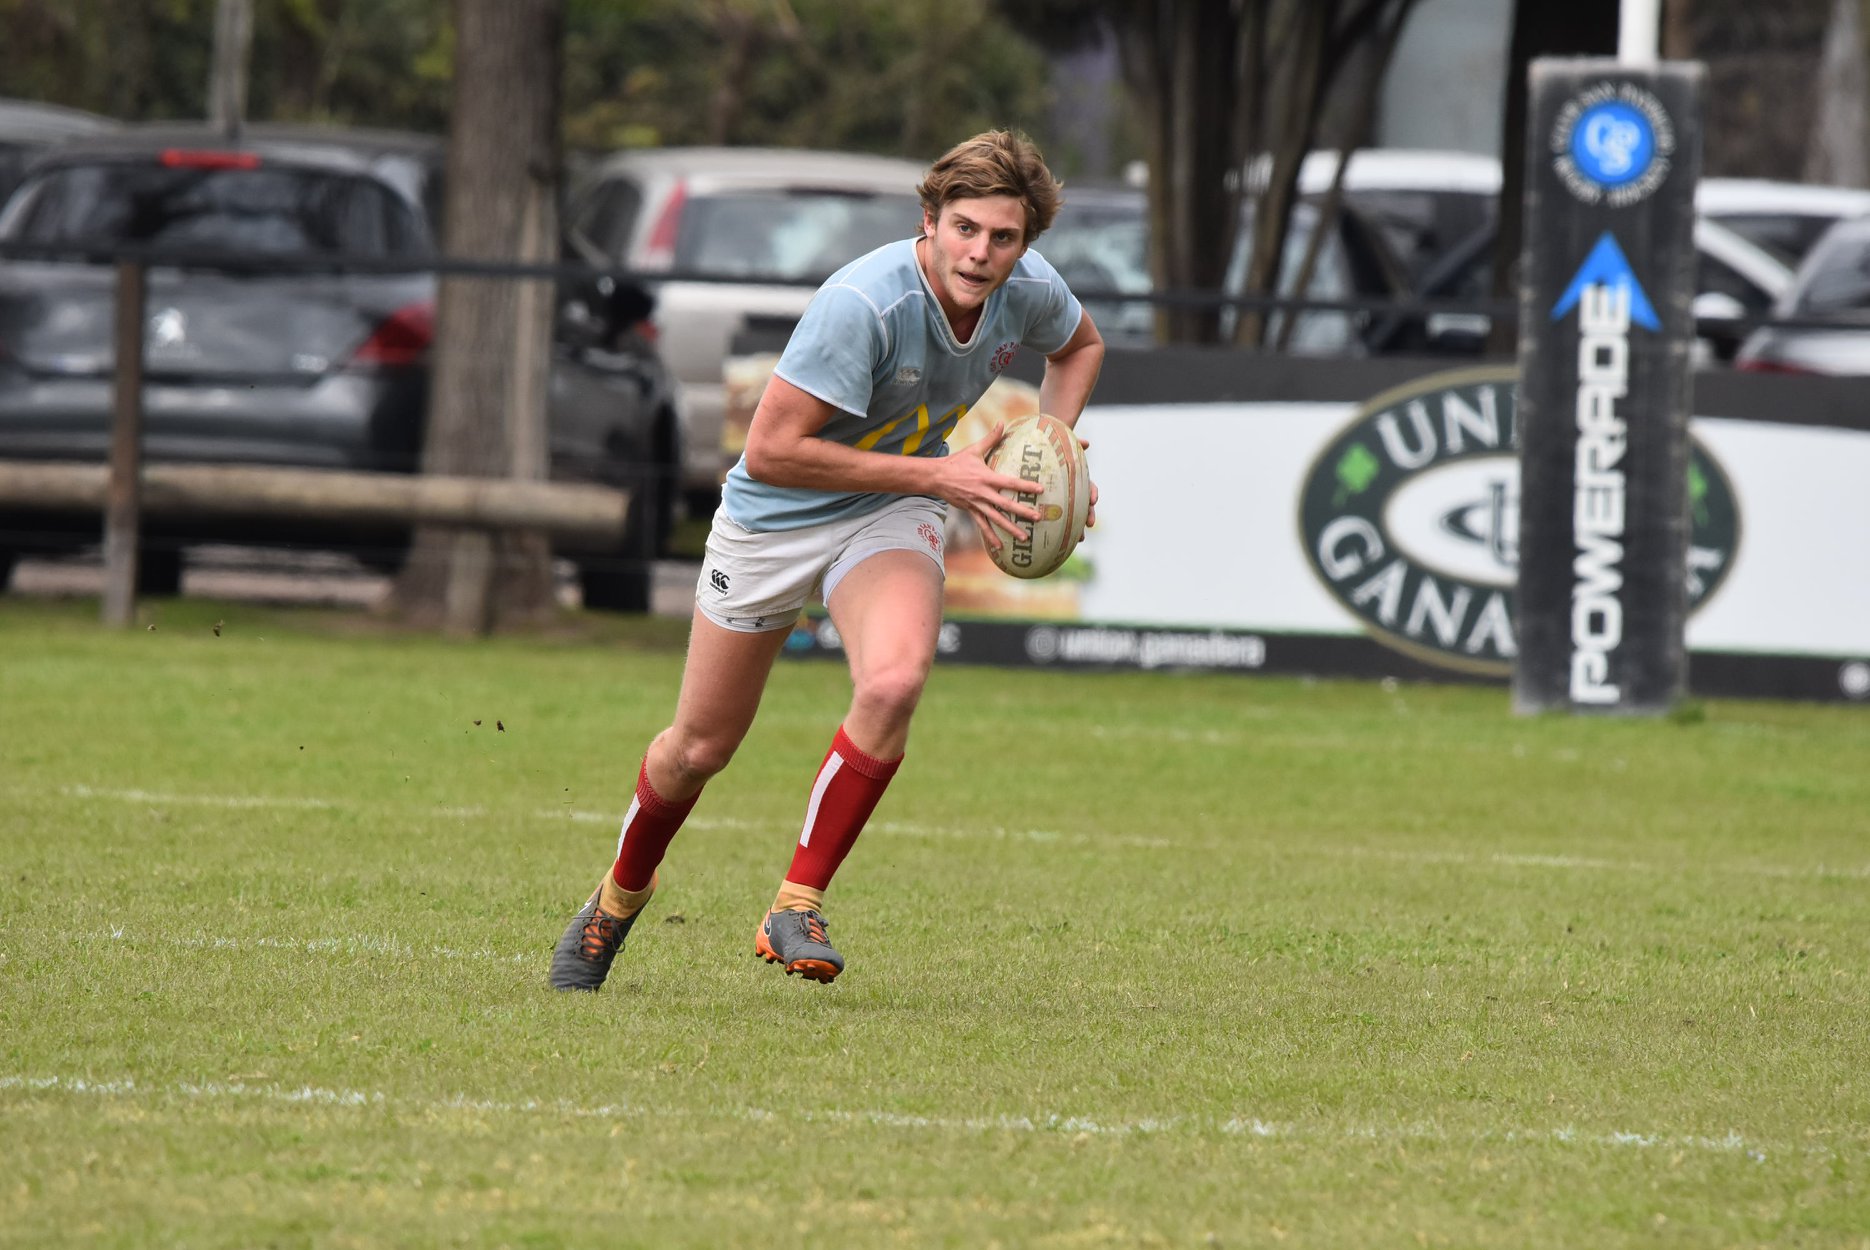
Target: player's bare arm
(783,449)
(1070,373)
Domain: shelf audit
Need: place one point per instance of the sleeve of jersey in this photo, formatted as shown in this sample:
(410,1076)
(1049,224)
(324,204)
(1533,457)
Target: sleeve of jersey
(1052,312)
(832,353)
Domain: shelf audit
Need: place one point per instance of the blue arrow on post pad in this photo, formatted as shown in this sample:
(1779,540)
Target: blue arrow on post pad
(1608,266)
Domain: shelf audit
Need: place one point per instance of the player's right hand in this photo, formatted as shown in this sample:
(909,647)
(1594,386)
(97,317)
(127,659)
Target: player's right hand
(971,484)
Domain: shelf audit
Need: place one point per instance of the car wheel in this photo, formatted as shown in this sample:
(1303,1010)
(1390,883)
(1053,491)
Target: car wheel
(159,572)
(622,580)
(615,584)
(699,504)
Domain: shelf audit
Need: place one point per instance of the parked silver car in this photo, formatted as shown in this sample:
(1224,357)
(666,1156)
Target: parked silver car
(1784,218)
(1828,308)
(741,233)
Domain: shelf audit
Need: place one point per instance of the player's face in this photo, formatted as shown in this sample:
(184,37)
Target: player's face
(971,250)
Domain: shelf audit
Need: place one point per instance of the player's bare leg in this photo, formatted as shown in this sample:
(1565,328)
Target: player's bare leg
(722,683)
(887,610)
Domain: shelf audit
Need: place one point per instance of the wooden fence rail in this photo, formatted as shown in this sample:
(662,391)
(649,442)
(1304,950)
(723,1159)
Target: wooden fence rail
(563,509)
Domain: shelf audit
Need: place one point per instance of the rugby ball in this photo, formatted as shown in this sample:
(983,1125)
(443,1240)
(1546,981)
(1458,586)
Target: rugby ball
(1042,449)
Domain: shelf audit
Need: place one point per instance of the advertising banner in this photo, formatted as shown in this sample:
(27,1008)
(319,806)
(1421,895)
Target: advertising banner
(1379,538)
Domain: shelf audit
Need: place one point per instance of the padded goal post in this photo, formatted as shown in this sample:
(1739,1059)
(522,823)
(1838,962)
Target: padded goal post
(1607,326)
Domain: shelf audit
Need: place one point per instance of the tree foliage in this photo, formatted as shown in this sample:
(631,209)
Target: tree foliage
(378,62)
(905,77)
(902,77)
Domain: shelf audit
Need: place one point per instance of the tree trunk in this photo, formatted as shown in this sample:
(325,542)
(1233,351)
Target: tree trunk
(1181,64)
(233,48)
(1362,121)
(493,335)
(1231,91)
(1297,81)
(1838,152)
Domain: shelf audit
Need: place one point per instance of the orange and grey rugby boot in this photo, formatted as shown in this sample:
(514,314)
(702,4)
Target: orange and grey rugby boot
(797,940)
(590,943)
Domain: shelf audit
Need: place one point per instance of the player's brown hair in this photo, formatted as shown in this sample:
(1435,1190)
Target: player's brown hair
(998,162)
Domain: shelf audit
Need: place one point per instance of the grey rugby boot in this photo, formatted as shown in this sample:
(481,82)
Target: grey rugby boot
(591,941)
(797,940)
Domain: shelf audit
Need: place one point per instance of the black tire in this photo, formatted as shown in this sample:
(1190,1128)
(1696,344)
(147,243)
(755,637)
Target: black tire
(699,504)
(615,584)
(159,572)
(623,580)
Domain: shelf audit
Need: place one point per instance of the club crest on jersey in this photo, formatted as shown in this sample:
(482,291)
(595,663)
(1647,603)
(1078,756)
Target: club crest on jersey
(908,375)
(1003,356)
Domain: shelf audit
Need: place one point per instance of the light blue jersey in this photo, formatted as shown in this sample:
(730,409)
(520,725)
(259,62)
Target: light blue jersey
(875,345)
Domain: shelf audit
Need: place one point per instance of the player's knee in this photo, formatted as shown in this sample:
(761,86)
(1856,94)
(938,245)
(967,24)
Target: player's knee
(697,759)
(892,691)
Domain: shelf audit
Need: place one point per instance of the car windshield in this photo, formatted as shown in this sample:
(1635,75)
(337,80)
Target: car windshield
(1104,248)
(13,158)
(788,236)
(273,210)
(1837,276)
(1788,236)
(1101,247)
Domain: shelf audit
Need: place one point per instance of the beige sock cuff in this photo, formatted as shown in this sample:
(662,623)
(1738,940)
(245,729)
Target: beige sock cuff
(795,897)
(622,903)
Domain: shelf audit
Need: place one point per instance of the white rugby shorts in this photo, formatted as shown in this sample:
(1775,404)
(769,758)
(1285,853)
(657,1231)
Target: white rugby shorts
(753,582)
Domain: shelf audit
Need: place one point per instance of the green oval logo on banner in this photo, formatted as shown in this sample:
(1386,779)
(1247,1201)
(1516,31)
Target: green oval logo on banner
(1410,518)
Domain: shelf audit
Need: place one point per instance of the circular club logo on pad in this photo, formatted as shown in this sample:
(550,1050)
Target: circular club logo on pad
(1613,144)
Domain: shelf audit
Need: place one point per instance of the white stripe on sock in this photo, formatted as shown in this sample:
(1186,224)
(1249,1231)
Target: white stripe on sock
(628,816)
(833,763)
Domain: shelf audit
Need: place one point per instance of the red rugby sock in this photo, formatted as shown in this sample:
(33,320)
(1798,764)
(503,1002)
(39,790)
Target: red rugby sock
(846,792)
(647,829)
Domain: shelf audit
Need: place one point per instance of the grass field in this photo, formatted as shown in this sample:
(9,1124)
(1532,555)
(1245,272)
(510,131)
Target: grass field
(1134,959)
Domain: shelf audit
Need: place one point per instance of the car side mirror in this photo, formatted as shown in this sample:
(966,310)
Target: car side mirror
(1463,334)
(596,312)
(1721,320)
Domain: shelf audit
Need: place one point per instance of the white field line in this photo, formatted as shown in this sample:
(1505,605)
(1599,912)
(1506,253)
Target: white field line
(611,820)
(1063,1125)
(353,944)
(154,798)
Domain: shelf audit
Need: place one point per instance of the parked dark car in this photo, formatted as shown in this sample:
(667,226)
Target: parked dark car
(1735,281)
(1828,307)
(259,366)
